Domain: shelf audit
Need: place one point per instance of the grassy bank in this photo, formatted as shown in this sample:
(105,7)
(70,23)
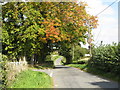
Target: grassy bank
(97,72)
(41,66)
(79,66)
(107,75)
(32,79)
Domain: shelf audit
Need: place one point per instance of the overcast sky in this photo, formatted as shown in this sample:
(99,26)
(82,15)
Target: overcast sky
(107,31)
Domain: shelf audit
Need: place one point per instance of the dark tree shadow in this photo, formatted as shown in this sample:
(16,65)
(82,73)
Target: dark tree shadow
(61,66)
(107,85)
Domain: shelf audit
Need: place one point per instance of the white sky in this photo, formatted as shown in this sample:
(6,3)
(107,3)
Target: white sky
(107,31)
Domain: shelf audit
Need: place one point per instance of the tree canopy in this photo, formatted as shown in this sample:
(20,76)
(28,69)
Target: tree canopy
(30,28)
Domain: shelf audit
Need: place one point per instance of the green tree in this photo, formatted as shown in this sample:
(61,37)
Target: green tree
(31,29)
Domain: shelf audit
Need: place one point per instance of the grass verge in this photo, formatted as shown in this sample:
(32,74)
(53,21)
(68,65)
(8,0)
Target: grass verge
(79,66)
(106,75)
(32,79)
(49,65)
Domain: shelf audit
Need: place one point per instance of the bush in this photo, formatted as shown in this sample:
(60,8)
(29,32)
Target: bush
(3,73)
(9,70)
(63,60)
(49,64)
(54,57)
(67,52)
(106,58)
(48,58)
(79,52)
(45,65)
(81,62)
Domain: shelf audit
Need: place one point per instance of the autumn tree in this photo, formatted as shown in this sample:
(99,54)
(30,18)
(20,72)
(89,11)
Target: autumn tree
(31,29)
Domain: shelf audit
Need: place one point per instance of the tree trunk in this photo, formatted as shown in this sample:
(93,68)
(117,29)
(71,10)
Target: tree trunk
(32,60)
(73,53)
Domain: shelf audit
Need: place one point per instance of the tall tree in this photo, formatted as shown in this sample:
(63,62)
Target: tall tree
(32,28)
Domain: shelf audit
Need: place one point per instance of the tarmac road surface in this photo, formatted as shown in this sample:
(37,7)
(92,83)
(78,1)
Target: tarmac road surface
(69,77)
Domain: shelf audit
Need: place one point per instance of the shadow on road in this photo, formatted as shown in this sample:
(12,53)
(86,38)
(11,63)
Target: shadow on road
(60,66)
(106,84)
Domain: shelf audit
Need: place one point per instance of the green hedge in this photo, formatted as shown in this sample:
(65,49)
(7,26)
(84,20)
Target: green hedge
(3,72)
(9,70)
(106,58)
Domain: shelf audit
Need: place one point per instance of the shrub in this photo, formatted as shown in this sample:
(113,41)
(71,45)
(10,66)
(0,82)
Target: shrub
(49,64)
(79,52)
(9,70)
(67,52)
(106,58)
(3,72)
(48,58)
(63,60)
(54,57)
(81,62)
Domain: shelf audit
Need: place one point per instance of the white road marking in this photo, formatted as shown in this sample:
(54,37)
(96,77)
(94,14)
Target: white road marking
(56,85)
(51,74)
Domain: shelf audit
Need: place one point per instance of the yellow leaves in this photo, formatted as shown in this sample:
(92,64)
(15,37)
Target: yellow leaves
(57,24)
(45,22)
(41,30)
(77,31)
(80,33)
(57,19)
(63,37)
(56,36)
(38,18)
(43,40)
(69,39)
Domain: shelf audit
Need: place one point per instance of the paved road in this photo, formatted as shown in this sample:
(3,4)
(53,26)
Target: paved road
(69,77)
(58,61)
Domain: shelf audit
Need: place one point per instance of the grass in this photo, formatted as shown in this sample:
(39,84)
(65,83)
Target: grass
(106,75)
(85,58)
(47,65)
(32,79)
(42,66)
(79,66)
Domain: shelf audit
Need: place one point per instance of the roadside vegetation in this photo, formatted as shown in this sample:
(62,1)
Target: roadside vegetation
(47,65)
(73,53)
(37,33)
(49,61)
(32,79)
(31,31)
(104,62)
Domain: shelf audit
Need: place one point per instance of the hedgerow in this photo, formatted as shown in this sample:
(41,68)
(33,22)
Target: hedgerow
(106,58)
(9,70)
